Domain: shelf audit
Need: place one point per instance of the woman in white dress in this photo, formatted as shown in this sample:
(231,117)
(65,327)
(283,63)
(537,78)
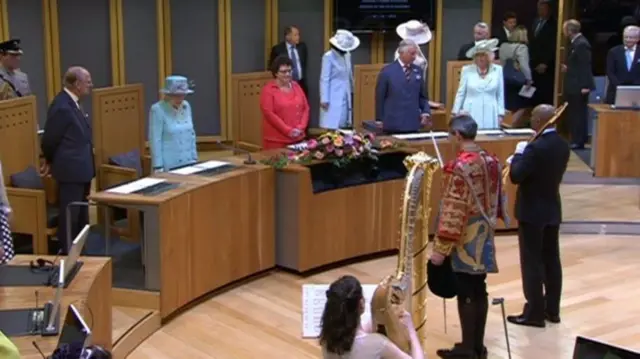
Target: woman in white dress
(419,33)
(336,82)
(481,89)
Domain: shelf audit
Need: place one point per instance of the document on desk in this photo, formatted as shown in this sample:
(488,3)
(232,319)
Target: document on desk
(420,135)
(300,146)
(211,165)
(519,131)
(189,170)
(137,185)
(314,297)
(490,132)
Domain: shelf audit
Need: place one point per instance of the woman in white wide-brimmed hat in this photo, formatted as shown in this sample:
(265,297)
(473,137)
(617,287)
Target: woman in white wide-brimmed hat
(336,82)
(419,33)
(172,137)
(481,88)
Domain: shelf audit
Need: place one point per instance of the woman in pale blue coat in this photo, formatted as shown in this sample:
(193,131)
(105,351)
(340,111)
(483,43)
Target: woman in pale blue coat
(481,89)
(172,137)
(336,82)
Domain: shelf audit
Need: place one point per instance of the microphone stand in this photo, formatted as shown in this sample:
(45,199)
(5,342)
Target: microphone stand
(248,161)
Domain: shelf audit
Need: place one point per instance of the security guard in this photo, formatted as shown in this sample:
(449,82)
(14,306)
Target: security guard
(13,82)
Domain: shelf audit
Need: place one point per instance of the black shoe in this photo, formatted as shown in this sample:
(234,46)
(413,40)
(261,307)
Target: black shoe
(467,311)
(555,319)
(457,352)
(483,354)
(528,322)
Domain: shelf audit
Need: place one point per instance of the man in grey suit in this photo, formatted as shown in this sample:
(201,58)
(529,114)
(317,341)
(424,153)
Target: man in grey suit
(402,103)
(578,82)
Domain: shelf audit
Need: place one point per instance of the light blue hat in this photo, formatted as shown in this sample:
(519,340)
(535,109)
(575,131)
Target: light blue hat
(177,85)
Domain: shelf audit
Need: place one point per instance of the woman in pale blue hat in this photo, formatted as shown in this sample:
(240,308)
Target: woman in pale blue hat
(336,82)
(172,137)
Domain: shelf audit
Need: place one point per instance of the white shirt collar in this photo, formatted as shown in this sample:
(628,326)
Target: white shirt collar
(290,45)
(73,96)
(575,37)
(552,129)
(402,64)
(507,31)
(632,49)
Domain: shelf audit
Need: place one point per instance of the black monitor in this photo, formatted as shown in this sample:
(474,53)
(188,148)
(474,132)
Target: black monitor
(587,348)
(75,332)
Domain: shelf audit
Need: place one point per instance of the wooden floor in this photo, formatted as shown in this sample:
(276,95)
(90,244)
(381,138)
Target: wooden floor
(261,319)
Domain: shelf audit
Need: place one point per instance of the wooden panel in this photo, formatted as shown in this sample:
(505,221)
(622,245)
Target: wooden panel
(18,135)
(118,121)
(364,94)
(90,292)
(247,116)
(617,142)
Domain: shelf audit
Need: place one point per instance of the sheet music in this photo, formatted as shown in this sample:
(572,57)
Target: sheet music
(314,297)
(519,131)
(136,185)
(490,132)
(420,135)
(210,165)
(186,170)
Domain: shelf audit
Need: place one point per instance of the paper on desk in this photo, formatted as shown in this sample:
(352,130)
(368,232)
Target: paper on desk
(419,135)
(300,146)
(186,170)
(134,186)
(314,297)
(210,165)
(519,131)
(527,91)
(490,132)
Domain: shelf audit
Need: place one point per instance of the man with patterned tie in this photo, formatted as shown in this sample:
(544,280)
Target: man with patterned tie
(472,202)
(296,50)
(623,63)
(13,82)
(402,101)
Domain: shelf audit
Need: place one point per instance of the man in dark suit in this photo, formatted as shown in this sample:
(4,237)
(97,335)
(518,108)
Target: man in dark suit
(509,22)
(538,168)
(623,63)
(67,146)
(480,32)
(402,101)
(578,82)
(542,50)
(296,50)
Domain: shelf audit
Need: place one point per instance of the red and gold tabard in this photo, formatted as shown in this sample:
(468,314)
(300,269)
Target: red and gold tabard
(472,201)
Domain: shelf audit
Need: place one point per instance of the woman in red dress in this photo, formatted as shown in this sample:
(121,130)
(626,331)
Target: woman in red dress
(285,110)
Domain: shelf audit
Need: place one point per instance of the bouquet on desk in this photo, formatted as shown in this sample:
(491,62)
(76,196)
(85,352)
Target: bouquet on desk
(340,148)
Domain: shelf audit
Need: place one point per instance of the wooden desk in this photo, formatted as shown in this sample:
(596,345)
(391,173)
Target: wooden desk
(205,234)
(313,230)
(615,144)
(90,292)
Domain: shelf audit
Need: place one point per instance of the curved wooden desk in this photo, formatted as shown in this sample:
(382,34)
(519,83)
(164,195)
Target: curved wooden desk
(206,233)
(319,229)
(90,292)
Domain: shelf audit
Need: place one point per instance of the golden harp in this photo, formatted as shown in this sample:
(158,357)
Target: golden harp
(407,288)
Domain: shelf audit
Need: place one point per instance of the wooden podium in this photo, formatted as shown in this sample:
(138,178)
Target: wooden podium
(206,233)
(615,144)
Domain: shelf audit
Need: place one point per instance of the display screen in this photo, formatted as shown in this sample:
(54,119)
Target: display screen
(381,15)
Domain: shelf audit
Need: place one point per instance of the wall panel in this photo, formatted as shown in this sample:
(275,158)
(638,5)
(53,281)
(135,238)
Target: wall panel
(362,55)
(247,35)
(194,40)
(25,23)
(456,33)
(308,15)
(141,46)
(84,35)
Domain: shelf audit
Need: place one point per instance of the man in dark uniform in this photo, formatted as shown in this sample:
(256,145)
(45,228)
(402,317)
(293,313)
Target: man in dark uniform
(538,168)
(472,202)
(13,82)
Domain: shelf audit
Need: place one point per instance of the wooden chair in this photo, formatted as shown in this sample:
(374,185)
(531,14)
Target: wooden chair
(32,198)
(246,123)
(119,136)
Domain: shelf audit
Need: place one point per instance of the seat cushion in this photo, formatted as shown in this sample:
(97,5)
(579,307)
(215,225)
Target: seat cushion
(131,159)
(27,179)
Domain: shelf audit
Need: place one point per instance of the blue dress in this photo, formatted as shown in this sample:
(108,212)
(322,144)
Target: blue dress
(172,137)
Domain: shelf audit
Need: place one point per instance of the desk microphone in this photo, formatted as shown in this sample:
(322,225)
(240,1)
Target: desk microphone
(248,161)
(35,345)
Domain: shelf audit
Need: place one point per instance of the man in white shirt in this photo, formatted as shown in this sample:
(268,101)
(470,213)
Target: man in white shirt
(623,63)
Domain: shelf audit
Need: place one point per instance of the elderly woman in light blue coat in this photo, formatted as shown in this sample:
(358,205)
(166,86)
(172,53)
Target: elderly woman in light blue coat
(336,82)
(172,137)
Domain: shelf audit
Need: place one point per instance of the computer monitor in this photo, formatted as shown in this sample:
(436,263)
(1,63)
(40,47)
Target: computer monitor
(76,249)
(75,331)
(627,97)
(587,348)
(55,308)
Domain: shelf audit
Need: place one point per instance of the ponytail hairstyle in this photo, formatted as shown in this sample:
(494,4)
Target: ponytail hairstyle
(341,316)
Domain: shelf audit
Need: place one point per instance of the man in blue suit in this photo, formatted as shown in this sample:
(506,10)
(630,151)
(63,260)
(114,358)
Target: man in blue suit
(623,63)
(67,145)
(402,103)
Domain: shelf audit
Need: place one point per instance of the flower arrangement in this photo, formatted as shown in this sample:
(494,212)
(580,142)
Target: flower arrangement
(340,148)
